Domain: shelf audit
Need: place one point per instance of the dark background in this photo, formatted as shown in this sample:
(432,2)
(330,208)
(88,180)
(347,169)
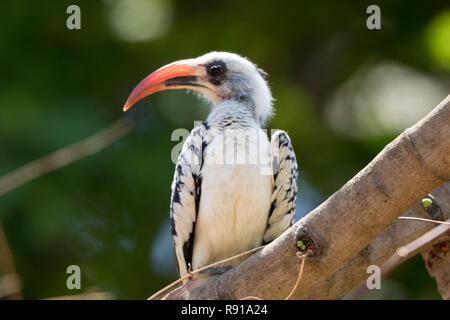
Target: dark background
(342,93)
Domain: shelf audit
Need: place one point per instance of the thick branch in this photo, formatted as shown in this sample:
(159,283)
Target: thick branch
(410,167)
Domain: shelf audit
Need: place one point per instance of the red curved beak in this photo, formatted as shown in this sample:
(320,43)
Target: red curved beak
(180,74)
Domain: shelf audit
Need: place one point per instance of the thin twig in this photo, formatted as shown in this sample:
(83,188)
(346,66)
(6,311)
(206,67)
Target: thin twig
(300,273)
(89,294)
(425,220)
(252,298)
(192,273)
(404,253)
(65,156)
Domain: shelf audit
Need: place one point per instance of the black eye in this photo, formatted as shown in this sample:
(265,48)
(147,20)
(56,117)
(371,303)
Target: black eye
(216,68)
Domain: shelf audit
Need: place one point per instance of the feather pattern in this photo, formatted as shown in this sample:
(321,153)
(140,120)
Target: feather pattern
(285,174)
(186,196)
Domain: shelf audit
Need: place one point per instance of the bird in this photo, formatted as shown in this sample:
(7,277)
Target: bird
(233,189)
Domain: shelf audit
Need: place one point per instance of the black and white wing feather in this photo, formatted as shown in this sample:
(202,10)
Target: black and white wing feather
(185,198)
(285,173)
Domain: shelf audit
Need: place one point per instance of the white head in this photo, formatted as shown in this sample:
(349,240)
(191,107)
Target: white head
(218,76)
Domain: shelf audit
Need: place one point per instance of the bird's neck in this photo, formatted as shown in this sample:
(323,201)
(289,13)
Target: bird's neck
(232,114)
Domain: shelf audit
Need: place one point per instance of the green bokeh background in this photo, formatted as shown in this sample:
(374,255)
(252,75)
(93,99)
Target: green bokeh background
(108,213)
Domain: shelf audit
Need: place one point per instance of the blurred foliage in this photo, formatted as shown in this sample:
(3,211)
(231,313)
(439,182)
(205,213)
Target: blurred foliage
(108,213)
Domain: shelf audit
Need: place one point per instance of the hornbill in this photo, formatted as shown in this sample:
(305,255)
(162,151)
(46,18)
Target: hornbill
(220,205)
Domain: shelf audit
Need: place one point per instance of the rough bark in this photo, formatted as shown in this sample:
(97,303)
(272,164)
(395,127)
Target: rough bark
(406,170)
(437,260)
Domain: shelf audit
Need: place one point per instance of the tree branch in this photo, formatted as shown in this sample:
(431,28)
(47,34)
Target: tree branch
(65,156)
(407,169)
